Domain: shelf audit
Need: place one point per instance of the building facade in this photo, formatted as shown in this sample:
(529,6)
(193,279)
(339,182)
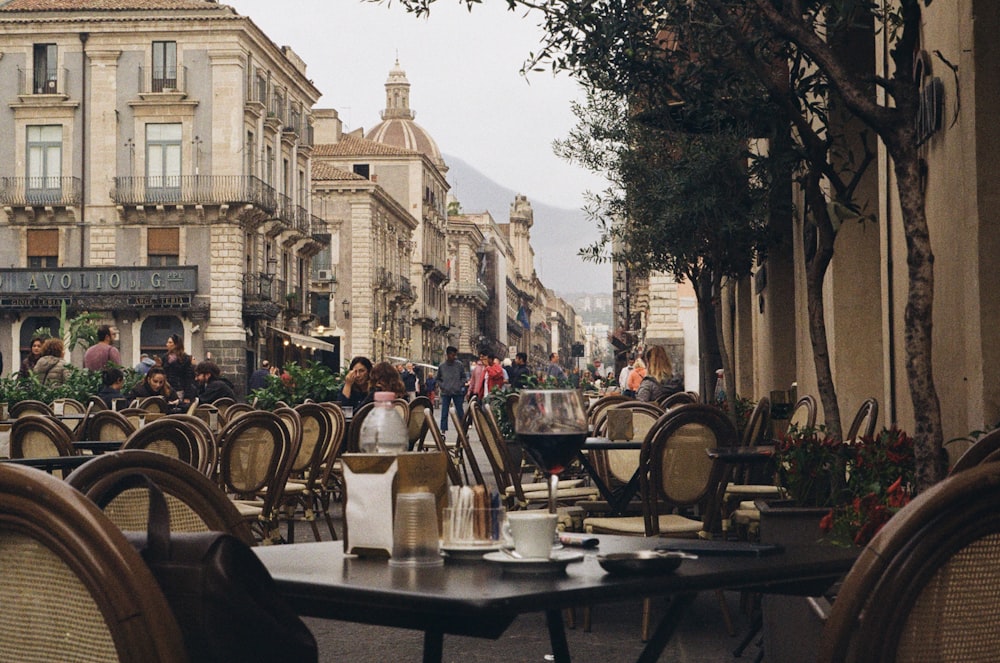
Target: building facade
(155,169)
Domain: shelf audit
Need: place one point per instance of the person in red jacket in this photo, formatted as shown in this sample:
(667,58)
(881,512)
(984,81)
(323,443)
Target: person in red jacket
(494,374)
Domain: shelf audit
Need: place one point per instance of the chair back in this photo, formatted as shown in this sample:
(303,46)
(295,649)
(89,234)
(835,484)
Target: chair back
(223,403)
(454,475)
(24,407)
(925,588)
(37,436)
(982,450)
(97,403)
(255,451)
(604,402)
(466,454)
(69,405)
(74,588)
(196,503)
(804,413)
(864,421)
(206,443)
(620,464)
(328,481)
(354,433)
(676,471)
(315,425)
(108,426)
(168,437)
(420,410)
(680,398)
(402,407)
(154,404)
(759,424)
(504,472)
(207,412)
(236,410)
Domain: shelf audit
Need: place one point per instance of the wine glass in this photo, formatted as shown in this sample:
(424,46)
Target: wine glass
(552,427)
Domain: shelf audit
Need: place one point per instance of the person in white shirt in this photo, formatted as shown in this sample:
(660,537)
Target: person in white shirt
(623,376)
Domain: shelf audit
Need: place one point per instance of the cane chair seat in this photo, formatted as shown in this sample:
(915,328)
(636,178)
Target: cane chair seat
(36,436)
(167,437)
(71,586)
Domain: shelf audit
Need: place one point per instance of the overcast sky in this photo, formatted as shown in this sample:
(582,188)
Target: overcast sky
(463,71)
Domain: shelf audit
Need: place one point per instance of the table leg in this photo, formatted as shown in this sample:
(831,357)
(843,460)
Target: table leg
(679,603)
(557,636)
(433,646)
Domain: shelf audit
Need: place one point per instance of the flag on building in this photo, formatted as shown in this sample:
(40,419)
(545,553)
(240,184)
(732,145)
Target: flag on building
(522,317)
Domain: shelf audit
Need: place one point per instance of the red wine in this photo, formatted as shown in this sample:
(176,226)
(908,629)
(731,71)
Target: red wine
(553,451)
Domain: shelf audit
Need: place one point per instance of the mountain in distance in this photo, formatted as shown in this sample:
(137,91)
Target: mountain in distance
(557,234)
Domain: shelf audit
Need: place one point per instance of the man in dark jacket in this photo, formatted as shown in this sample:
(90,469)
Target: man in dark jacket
(518,371)
(211,387)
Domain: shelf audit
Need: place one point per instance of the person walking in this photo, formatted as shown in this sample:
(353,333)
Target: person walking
(102,353)
(554,370)
(451,381)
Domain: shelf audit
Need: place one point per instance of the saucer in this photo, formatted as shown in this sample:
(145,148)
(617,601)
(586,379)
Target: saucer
(469,551)
(531,566)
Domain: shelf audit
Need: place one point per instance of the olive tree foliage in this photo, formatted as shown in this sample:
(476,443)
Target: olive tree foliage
(794,50)
(684,203)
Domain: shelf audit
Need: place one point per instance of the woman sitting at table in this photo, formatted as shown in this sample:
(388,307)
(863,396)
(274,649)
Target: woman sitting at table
(385,377)
(356,383)
(659,380)
(28,365)
(50,369)
(153,384)
(112,380)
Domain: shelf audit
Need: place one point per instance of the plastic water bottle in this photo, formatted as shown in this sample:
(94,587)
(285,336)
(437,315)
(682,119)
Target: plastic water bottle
(383,430)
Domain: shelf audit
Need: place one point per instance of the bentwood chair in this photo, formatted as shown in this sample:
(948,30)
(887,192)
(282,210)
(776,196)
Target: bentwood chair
(195,502)
(34,436)
(108,425)
(675,473)
(330,480)
(984,450)
(255,453)
(167,437)
(354,432)
(680,398)
(804,413)
(420,410)
(864,421)
(315,433)
(454,473)
(463,453)
(25,407)
(927,586)
(154,404)
(72,586)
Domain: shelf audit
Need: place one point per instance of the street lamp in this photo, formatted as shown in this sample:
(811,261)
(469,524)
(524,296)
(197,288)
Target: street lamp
(345,307)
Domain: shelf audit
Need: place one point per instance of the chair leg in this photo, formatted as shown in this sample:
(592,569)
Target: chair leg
(586,619)
(726,616)
(647,609)
(569,616)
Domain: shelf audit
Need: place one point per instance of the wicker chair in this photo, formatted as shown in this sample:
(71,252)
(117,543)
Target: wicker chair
(74,589)
(196,503)
(34,436)
(984,450)
(420,410)
(804,413)
(454,473)
(926,587)
(314,425)
(255,454)
(680,398)
(108,425)
(24,407)
(354,432)
(167,437)
(330,483)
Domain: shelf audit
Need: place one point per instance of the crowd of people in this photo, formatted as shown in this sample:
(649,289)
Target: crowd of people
(174,375)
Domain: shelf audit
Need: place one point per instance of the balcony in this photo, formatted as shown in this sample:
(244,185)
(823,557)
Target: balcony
(163,81)
(195,190)
(50,83)
(24,199)
(258,296)
(474,293)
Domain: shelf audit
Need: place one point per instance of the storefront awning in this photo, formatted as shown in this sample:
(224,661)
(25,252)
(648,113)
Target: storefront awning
(304,341)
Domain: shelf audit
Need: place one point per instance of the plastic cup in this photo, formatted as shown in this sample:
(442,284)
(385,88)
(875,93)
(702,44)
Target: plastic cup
(415,538)
(533,533)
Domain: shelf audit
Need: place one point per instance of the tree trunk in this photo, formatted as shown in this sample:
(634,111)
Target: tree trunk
(817,243)
(708,337)
(931,460)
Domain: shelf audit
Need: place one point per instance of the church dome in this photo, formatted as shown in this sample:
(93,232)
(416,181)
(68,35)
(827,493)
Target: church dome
(397,127)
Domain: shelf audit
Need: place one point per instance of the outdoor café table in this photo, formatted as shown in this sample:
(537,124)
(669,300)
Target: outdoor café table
(50,464)
(618,498)
(476,599)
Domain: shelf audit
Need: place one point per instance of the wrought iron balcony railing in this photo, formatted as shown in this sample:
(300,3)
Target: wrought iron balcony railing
(162,79)
(48,82)
(38,191)
(195,189)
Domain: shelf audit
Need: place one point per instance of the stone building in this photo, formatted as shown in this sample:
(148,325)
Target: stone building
(408,316)
(155,169)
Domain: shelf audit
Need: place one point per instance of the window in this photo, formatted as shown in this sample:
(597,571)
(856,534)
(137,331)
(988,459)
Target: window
(251,150)
(163,247)
(362,169)
(269,165)
(164,65)
(44,148)
(45,74)
(163,162)
(43,249)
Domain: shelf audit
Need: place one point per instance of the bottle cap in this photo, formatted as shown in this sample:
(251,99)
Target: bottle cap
(383,396)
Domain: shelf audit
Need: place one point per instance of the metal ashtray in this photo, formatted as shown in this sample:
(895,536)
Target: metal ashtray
(643,562)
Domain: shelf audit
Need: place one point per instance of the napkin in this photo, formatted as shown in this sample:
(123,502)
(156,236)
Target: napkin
(368,495)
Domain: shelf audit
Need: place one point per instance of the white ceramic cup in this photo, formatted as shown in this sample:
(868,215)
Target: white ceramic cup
(533,533)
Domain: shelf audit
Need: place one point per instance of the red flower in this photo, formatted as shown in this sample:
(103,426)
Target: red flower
(826,523)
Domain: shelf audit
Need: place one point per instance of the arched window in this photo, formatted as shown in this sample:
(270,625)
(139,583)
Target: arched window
(32,325)
(154,333)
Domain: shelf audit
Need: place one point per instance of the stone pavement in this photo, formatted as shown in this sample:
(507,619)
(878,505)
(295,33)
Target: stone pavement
(615,635)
